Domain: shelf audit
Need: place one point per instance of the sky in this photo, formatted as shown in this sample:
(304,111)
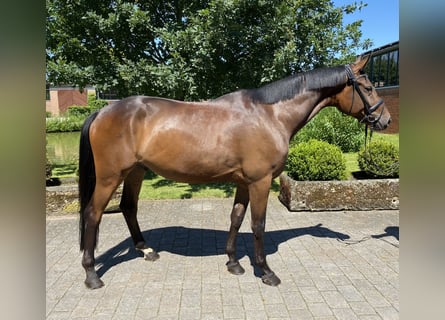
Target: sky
(380,20)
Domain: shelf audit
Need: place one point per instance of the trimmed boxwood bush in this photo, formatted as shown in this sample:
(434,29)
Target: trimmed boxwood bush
(380,160)
(316,160)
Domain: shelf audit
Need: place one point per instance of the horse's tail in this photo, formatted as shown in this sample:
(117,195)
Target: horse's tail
(87,177)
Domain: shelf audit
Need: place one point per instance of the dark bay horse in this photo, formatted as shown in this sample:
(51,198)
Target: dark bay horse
(242,137)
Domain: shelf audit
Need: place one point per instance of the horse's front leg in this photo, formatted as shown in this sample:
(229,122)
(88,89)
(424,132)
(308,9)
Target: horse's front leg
(236,219)
(259,193)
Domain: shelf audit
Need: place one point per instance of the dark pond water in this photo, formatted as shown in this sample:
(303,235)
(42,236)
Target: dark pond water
(63,148)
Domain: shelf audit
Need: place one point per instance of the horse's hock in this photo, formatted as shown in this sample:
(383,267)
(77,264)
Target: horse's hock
(372,194)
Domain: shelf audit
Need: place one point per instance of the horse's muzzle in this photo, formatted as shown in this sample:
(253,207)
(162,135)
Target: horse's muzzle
(382,124)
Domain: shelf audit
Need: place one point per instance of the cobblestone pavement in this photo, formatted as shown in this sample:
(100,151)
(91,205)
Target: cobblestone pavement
(333,265)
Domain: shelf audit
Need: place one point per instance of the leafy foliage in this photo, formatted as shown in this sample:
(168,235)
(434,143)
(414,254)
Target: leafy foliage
(78,111)
(95,104)
(332,126)
(194,49)
(380,159)
(316,160)
(64,124)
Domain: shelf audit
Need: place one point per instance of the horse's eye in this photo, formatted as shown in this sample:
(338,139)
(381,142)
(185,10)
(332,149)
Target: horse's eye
(369,88)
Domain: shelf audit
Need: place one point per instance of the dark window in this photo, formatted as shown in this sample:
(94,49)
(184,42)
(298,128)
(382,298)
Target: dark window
(108,95)
(393,68)
(48,97)
(383,68)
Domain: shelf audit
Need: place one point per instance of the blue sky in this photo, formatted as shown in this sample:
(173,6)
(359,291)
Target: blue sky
(380,20)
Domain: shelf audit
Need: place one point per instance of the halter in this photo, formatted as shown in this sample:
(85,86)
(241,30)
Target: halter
(369,117)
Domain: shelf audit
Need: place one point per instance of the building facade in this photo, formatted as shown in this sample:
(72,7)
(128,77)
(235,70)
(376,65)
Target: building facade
(383,71)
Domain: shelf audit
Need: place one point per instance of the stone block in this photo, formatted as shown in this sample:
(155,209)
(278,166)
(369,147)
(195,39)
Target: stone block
(369,194)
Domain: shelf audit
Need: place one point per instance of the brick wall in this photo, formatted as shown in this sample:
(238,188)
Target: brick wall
(61,98)
(68,98)
(391,98)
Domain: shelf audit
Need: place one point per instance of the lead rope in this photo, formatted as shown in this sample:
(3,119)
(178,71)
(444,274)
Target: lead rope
(365,238)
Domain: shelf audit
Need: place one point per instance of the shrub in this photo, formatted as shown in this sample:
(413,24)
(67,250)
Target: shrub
(94,103)
(64,124)
(79,111)
(316,160)
(332,126)
(380,160)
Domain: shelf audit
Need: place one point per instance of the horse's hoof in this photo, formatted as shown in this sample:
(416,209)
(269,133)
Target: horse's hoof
(94,283)
(149,253)
(235,268)
(271,279)
(151,256)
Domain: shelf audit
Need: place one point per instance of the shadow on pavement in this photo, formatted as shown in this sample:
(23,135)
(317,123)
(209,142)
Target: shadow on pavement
(389,232)
(205,242)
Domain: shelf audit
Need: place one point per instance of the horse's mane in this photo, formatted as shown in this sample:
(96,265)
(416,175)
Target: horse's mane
(289,87)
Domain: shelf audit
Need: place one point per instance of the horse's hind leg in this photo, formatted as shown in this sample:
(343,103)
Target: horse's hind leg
(236,219)
(129,207)
(92,215)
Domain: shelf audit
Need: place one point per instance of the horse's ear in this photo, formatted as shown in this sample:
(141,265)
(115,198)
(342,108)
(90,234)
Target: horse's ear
(360,63)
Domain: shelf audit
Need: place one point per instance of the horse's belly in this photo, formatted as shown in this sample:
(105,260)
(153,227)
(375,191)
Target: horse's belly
(194,169)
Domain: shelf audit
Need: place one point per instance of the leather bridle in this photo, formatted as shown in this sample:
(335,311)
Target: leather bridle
(369,110)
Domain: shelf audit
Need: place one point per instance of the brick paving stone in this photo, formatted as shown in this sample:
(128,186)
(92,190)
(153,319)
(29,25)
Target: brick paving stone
(311,294)
(350,293)
(334,299)
(344,314)
(373,317)
(330,266)
(320,309)
(362,308)
(388,313)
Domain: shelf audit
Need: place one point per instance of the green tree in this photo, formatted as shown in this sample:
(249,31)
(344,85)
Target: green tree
(193,49)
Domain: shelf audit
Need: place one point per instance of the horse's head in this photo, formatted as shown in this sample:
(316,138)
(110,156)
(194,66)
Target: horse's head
(360,99)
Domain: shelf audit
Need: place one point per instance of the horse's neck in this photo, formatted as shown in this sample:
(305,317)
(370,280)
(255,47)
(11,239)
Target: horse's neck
(296,112)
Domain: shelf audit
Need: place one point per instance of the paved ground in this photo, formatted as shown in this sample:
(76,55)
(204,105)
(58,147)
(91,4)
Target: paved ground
(333,265)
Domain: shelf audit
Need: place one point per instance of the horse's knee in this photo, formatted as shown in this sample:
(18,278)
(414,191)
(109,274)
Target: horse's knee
(258,229)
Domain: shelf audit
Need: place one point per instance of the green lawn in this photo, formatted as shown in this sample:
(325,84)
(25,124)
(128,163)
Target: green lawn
(156,187)
(159,188)
(392,138)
